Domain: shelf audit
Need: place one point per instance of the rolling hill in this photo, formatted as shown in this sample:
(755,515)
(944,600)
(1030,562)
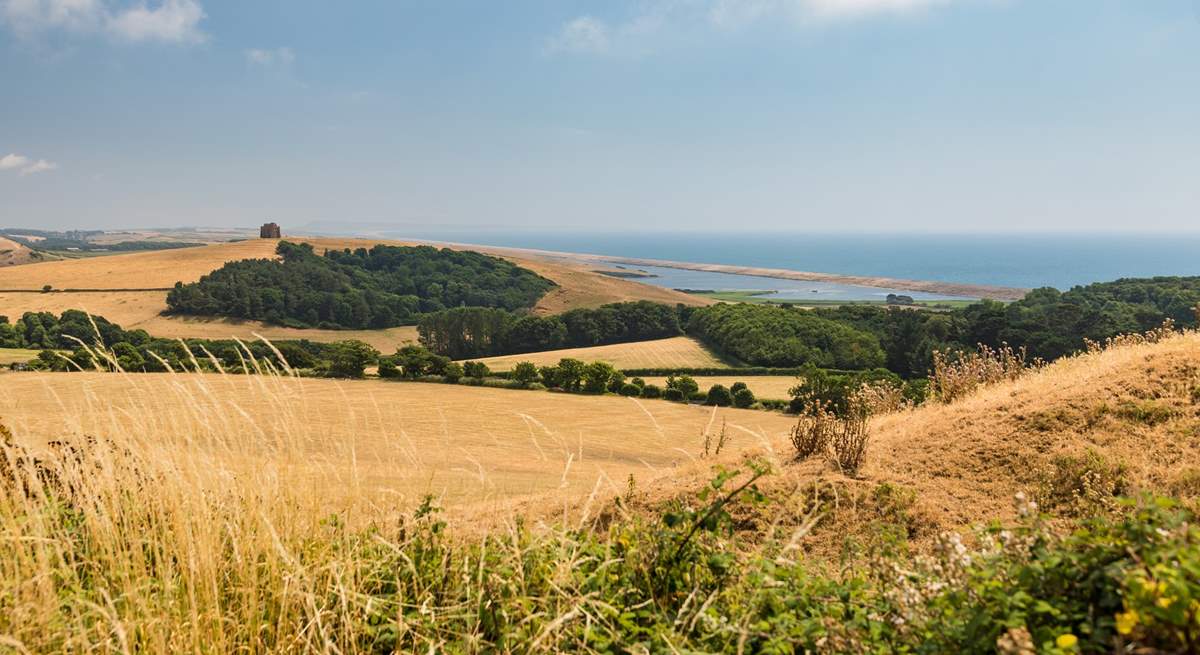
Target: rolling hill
(15,254)
(131,290)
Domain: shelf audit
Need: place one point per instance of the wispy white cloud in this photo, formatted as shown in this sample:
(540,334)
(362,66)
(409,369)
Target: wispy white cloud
(39,166)
(583,34)
(24,165)
(163,21)
(12,160)
(271,57)
(590,35)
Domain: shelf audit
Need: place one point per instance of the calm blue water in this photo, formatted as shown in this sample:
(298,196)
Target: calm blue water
(1030,261)
(675,278)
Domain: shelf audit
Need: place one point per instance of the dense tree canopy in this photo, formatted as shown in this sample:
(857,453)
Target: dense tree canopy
(779,336)
(382,287)
(481,332)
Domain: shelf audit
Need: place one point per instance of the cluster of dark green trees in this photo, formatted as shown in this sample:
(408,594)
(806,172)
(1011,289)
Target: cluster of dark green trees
(382,287)
(772,336)
(480,332)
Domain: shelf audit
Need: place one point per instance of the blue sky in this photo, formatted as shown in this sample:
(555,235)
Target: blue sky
(807,115)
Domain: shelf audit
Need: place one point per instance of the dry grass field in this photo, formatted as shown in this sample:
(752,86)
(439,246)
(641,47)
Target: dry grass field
(676,352)
(15,355)
(774,387)
(115,275)
(349,440)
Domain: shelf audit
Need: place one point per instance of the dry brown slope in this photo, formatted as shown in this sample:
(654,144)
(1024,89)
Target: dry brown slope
(1138,406)
(14,254)
(115,275)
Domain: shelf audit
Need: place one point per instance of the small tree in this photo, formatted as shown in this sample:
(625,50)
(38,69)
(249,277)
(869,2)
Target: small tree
(525,373)
(673,394)
(631,390)
(570,374)
(719,396)
(414,361)
(597,376)
(551,376)
(453,372)
(349,359)
(388,368)
(477,370)
(685,384)
(743,398)
(736,387)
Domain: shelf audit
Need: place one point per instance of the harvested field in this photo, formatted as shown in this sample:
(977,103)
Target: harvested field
(15,355)
(119,276)
(676,352)
(774,387)
(382,440)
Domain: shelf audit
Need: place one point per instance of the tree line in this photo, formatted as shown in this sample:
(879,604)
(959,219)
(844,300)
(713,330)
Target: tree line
(1048,323)
(481,332)
(382,287)
(75,341)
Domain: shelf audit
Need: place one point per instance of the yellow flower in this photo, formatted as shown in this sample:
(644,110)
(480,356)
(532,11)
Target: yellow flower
(1067,641)
(1166,601)
(1127,621)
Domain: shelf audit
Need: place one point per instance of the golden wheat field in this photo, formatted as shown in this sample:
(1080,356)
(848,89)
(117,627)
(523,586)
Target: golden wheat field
(676,352)
(379,439)
(774,387)
(117,278)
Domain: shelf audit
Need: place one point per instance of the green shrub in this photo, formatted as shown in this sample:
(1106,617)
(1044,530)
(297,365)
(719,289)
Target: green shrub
(1146,412)
(477,370)
(673,394)
(453,372)
(737,386)
(652,391)
(685,384)
(631,390)
(719,396)
(743,398)
(525,373)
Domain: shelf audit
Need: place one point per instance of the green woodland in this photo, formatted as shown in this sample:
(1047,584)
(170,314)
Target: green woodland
(383,287)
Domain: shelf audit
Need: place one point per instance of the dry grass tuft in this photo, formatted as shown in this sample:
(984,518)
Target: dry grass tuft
(956,376)
(842,440)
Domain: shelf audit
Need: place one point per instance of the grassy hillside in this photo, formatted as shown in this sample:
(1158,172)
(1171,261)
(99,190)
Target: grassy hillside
(15,254)
(277,515)
(118,276)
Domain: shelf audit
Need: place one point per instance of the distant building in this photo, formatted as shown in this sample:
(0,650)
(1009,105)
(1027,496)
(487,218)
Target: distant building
(269,231)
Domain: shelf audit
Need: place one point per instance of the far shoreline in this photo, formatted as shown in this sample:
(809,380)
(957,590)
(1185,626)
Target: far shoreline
(959,289)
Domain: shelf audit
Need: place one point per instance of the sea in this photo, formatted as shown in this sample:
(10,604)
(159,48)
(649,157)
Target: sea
(1061,261)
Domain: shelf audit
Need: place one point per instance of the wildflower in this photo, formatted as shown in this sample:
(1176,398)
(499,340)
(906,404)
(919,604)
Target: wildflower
(1067,641)
(1127,621)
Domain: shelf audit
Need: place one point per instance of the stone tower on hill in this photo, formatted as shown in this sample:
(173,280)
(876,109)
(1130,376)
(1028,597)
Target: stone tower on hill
(269,231)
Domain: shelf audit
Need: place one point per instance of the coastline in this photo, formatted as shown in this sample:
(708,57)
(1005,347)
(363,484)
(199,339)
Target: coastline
(963,289)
